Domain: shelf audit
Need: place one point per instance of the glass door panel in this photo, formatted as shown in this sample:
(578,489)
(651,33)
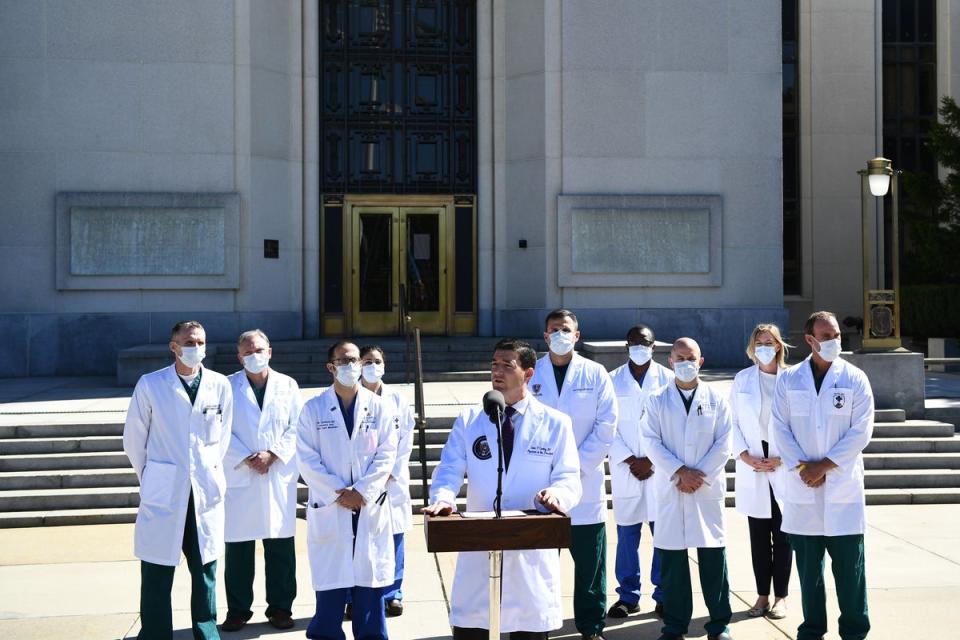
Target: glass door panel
(376,299)
(425,267)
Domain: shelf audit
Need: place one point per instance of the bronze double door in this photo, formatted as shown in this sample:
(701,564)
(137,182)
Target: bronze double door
(398,267)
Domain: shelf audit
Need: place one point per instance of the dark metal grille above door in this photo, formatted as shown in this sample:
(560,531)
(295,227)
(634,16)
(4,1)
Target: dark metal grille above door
(398,96)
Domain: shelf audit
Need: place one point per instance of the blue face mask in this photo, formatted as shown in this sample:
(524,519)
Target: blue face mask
(686,370)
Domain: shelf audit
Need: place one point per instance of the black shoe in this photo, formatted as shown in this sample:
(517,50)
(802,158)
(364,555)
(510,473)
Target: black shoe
(721,636)
(669,636)
(233,624)
(592,636)
(393,608)
(658,610)
(621,609)
(281,620)
(348,612)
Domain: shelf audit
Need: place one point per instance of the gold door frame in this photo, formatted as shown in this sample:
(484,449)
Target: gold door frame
(443,322)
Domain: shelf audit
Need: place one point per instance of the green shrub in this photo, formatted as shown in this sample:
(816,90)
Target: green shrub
(930,310)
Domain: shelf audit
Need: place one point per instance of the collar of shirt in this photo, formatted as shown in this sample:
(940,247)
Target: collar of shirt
(521,405)
(687,393)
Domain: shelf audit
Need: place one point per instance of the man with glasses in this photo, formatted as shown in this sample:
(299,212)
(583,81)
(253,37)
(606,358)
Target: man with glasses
(541,472)
(346,449)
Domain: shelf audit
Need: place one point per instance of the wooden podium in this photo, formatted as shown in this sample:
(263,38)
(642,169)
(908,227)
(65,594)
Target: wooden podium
(532,530)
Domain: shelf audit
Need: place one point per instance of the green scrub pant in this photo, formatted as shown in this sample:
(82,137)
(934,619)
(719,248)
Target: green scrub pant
(847,562)
(588,548)
(678,593)
(280,572)
(156,583)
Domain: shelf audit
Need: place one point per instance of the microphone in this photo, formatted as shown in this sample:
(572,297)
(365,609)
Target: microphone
(494,405)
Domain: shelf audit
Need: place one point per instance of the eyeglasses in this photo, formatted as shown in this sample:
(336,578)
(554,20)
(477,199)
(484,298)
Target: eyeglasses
(343,361)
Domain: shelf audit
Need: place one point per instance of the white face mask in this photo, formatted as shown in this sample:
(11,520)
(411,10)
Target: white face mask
(561,342)
(829,349)
(348,374)
(256,362)
(192,356)
(372,372)
(686,370)
(640,354)
(765,354)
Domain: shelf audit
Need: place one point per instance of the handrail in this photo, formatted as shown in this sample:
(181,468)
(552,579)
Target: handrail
(419,405)
(928,361)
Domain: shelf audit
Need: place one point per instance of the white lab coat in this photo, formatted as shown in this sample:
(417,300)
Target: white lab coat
(176,448)
(544,456)
(398,485)
(328,460)
(837,423)
(698,440)
(752,488)
(262,506)
(634,501)
(590,401)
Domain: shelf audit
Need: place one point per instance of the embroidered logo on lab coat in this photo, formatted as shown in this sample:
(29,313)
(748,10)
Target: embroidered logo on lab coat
(839,399)
(536,389)
(481,449)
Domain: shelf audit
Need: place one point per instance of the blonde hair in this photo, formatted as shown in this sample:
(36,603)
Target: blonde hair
(774,331)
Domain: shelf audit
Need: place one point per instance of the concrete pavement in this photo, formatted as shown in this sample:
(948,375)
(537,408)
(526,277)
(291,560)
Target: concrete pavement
(83,582)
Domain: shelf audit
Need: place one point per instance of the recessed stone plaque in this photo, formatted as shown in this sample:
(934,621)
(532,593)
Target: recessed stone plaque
(639,240)
(146,241)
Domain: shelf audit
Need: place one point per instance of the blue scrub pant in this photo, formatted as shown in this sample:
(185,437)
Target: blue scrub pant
(627,567)
(368,619)
(393,592)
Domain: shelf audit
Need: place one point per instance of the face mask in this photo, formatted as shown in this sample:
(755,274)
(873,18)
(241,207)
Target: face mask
(256,362)
(830,349)
(685,370)
(348,374)
(640,355)
(561,342)
(192,356)
(765,354)
(372,372)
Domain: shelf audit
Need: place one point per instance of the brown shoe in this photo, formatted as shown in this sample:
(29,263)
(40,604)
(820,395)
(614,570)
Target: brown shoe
(281,620)
(394,608)
(233,624)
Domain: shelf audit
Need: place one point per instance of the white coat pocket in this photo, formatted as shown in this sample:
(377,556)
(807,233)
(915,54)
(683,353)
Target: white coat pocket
(323,523)
(238,478)
(845,485)
(799,402)
(797,490)
(212,426)
(156,485)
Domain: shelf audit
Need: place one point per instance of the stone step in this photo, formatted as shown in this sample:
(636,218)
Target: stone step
(52,461)
(913,429)
(875,461)
(889,415)
(67,479)
(914,445)
(56,430)
(86,444)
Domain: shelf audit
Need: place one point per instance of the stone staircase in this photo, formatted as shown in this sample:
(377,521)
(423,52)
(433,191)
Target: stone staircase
(68,474)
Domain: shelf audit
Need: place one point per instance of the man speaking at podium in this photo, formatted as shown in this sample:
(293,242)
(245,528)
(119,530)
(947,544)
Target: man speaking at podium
(541,471)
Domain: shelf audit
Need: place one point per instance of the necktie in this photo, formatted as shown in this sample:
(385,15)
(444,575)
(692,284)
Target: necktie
(508,433)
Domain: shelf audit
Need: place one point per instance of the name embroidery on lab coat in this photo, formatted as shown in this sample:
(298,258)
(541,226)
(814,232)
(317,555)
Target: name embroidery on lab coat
(536,450)
(326,424)
(481,449)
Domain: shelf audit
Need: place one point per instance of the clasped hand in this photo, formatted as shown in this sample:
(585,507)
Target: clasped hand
(814,472)
(350,499)
(640,468)
(261,461)
(689,480)
(761,464)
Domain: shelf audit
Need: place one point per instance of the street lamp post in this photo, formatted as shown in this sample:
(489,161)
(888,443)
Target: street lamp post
(881,306)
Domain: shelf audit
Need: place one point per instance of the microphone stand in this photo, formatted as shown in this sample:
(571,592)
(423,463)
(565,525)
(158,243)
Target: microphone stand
(496,557)
(498,512)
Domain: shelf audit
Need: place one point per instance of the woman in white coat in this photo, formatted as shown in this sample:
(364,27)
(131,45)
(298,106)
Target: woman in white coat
(346,449)
(398,484)
(759,468)
(542,472)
